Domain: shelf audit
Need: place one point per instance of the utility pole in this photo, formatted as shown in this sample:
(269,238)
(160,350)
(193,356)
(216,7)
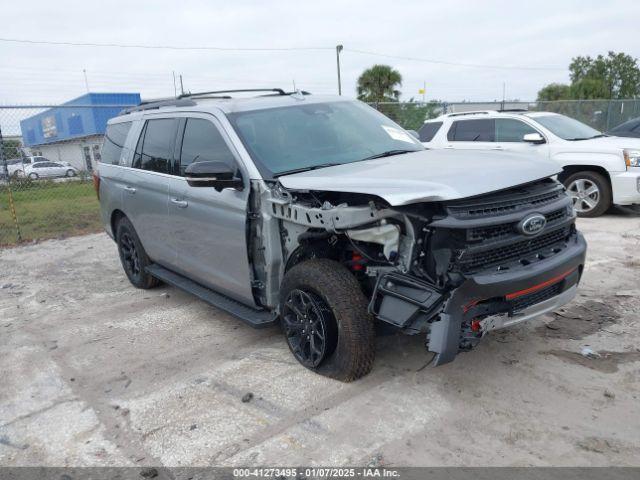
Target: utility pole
(86,81)
(338,50)
(175,90)
(424,91)
(181,86)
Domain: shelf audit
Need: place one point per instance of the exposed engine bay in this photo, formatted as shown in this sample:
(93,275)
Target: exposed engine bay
(452,270)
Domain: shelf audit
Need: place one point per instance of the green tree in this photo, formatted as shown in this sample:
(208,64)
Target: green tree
(615,76)
(379,84)
(554,91)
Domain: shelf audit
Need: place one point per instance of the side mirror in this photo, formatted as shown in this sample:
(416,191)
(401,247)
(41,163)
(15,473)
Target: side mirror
(535,138)
(414,133)
(213,174)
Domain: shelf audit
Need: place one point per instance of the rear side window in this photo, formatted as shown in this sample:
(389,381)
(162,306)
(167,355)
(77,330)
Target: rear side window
(155,147)
(428,131)
(482,130)
(203,142)
(114,140)
(510,130)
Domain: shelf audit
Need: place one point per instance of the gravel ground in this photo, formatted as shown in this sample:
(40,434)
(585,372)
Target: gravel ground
(95,372)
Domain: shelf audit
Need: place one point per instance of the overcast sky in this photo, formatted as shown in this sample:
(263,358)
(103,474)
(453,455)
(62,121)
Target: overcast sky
(542,34)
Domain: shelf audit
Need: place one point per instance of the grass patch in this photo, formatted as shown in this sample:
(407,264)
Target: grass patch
(49,210)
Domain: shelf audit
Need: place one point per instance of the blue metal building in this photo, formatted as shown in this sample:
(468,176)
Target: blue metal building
(73,131)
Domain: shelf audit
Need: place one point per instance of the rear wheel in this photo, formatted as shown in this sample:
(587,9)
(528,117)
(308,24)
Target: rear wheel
(133,257)
(325,320)
(590,193)
(33,176)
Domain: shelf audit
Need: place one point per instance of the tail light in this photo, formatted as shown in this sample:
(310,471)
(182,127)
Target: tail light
(96,183)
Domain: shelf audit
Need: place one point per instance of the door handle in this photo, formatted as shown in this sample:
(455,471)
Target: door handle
(497,148)
(130,190)
(180,203)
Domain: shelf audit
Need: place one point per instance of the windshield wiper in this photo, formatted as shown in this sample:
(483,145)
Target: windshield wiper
(388,153)
(306,169)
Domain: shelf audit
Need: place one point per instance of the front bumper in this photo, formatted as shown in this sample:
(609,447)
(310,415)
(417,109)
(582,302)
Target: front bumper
(626,187)
(492,298)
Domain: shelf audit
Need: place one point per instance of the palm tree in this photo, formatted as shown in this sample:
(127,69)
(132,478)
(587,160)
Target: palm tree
(378,84)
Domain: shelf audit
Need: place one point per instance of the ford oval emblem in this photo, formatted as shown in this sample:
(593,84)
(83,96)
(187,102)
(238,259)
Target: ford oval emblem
(532,224)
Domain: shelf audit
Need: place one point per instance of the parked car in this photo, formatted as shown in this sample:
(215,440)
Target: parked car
(14,167)
(598,170)
(49,169)
(322,214)
(35,159)
(630,128)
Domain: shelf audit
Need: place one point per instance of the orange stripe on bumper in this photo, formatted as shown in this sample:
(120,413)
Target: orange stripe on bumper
(539,286)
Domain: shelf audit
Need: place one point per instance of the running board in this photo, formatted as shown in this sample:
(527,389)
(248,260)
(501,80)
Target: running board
(251,316)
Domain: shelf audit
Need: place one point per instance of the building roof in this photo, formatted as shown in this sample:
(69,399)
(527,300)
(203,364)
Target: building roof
(80,117)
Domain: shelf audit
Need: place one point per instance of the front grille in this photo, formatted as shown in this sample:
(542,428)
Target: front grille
(526,301)
(526,198)
(495,232)
(470,261)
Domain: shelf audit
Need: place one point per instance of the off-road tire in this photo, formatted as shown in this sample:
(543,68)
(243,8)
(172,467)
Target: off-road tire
(126,233)
(354,351)
(606,199)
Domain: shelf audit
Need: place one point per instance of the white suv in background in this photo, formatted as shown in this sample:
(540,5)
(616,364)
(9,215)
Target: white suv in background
(598,170)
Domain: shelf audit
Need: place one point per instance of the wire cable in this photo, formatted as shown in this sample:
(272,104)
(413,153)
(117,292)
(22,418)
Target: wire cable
(163,47)
(278,49)
(453,64)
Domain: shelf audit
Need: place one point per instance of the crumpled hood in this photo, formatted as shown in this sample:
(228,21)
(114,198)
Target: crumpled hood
(429,175)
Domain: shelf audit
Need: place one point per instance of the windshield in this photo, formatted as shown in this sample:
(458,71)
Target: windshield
(314,135)
(567,128)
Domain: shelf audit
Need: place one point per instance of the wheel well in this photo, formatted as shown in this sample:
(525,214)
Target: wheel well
(308,251)
(571,169)
(115,218)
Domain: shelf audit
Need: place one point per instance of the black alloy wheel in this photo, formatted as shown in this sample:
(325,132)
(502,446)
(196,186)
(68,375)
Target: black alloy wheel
(130,258)
(309,327)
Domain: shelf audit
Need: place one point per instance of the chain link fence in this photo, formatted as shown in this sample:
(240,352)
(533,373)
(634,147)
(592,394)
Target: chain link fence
(47,154)
(602,115)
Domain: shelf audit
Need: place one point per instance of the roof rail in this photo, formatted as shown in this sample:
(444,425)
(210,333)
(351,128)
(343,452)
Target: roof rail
(150,105)
(516,110)
(279,91)
(473,112)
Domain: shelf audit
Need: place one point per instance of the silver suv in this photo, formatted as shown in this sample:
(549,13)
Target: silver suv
(321,214)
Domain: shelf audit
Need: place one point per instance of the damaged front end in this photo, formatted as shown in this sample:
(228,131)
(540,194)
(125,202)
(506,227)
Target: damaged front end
(451,270)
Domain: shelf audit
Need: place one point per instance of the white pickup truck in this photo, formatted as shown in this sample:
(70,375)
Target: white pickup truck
(598,170)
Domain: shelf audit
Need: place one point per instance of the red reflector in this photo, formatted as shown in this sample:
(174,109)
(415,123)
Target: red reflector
(539,286)
(356,266)
(475,325)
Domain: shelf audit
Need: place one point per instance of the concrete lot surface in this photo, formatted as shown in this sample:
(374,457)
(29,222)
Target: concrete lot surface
(95,372)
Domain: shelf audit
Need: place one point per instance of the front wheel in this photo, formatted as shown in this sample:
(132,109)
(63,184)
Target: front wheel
(324,316)
(33,176)
(71,173)
(590,193)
